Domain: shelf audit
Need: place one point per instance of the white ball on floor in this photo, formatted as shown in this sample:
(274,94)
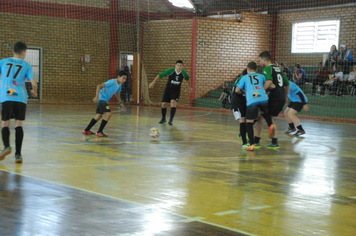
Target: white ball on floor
(154,132)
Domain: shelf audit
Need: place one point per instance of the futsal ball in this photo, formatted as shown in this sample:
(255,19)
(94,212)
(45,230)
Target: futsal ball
(154,132)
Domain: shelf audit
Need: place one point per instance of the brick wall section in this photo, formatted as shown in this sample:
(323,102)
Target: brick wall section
(165,42)
(284,33)
(229,46)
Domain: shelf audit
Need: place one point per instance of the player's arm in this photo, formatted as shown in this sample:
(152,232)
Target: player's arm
(98,88)
(286,92)
(122,105)
(34,87)
(160,75)
(152,84)
(267,72)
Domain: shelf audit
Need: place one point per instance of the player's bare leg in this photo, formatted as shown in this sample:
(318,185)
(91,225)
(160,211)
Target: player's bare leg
(291,127)
(292,115)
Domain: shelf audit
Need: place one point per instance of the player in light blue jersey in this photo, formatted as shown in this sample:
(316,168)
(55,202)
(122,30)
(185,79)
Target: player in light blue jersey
(256,100)
(14,73)
(298,100)
(104,92)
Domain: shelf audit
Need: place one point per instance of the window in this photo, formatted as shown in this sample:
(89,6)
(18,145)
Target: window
(182,3)
(315,36)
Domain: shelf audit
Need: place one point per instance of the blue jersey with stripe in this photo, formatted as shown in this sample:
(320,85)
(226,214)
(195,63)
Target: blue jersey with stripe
(111,87)
(296,94)
(14,73)
(253,85)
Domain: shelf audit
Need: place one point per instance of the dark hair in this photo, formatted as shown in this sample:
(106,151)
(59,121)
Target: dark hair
(121,73)
(19,47)
(298,66)
(126,68)
(337,67)
(321,63)
(334,46)
(283,64)
(179,61)
(244,72)
(252,65)
(266,55)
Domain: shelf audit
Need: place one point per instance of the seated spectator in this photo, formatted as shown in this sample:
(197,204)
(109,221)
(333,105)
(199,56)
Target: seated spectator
(335,80)
(332,56)
(299,75)
(321,75)
(345,58)
(351,80)
(286,70)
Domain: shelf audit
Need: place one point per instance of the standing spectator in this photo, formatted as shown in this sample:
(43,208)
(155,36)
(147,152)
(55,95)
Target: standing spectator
(299,75)
(334,81)
(345,58)
(171,93)
(286,71)
(14,72)
(332,56)
(128,84)
(321,75)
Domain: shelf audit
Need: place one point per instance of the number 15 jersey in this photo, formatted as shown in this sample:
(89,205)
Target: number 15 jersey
(253,85)
(14,73)
(274,73)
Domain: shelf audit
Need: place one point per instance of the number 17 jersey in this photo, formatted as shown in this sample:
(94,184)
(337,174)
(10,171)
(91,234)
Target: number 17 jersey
(14,73)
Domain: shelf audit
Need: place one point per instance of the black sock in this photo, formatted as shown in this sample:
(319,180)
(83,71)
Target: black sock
(102,125)
(18,139)
(268,119)
(163,111)
(5,132)
(291,125)
(249,128)
(300,128)
(91,124)
(274,140)
(243,132)
(257,139)
(173,112)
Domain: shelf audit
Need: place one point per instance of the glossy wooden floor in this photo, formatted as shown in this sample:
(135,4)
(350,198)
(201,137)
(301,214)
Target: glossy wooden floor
(193,180)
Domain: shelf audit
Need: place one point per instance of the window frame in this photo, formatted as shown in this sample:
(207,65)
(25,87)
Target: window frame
(314,20)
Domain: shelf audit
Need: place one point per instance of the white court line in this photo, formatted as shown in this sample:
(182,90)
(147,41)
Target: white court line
(132,202)
(226,212)
(353,197)
(259,207)
(197,218)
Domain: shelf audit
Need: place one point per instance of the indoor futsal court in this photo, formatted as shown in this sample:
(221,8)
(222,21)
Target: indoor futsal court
(193,179)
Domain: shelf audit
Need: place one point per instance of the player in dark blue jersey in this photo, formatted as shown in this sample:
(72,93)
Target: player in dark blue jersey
(298,100)
(14,73)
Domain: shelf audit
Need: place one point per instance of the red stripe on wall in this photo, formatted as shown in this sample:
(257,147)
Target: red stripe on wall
(193,60)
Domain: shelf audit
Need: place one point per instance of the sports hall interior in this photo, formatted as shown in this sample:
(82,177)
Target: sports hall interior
(193,179)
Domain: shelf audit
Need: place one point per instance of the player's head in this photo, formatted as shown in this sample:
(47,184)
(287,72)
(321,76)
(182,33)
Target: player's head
(251,67)
(179,65)
(19,49)
(282,65)
(121,76)
(265,58)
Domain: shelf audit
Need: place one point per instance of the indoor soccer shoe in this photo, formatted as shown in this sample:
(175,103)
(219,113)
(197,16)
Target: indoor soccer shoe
(289,130)
(273,146)
(18,158)
(101,134)
(299,132)
(272,130)
(251,147)
(257,146)
(163,120)
(170,122)
(245,146)
(6,151)
(87,132)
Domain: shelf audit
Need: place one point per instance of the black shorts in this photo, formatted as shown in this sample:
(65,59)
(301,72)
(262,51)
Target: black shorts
(275,107)
(298,106)
(102,107)
(252,111)
(10,110)
(170,94)
(238,103)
